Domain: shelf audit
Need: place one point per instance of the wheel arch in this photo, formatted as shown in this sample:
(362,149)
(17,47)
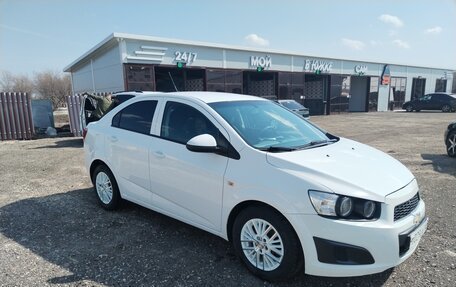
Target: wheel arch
(246,204)
(300,263)
(96,163)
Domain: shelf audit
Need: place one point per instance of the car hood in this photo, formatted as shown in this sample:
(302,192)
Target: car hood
(346,167)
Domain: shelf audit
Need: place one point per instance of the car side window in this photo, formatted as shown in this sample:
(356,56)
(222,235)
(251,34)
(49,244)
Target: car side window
(136,117)
(426,98)
(439,97)
(182,122)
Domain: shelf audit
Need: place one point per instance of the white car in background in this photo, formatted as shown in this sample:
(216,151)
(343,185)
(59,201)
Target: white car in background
(288,195)
(296,107)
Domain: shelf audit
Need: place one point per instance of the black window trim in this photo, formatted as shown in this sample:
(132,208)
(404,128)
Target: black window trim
(120,115)
(230,152)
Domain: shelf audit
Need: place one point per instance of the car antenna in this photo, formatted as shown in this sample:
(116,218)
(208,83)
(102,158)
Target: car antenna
(171,77)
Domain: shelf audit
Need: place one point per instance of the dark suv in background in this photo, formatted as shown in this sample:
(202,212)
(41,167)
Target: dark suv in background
(435,101)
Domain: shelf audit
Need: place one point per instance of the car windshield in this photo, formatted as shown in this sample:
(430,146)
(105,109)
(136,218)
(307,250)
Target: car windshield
(292,105)
(268,126)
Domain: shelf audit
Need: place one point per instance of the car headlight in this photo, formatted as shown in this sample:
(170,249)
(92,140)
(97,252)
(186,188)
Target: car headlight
(341,206)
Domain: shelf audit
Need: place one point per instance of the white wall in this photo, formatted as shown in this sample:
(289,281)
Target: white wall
(101,73)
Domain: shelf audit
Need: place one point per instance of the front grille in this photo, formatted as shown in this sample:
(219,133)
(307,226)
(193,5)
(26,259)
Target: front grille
(404,209)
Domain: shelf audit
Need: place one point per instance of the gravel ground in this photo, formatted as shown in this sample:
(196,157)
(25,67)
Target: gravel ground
(52,231)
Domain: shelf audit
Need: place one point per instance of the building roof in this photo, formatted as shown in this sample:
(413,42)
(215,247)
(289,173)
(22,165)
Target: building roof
(117,36)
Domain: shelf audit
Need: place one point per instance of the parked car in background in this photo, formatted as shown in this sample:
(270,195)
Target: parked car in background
(288,195)
(435,101)
(450,139)
(296,107)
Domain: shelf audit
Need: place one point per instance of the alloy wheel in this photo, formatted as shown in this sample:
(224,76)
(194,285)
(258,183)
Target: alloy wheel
(262,244)
(451,145)
(104,187)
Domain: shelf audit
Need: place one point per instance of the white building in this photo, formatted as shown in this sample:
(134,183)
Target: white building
(325,85)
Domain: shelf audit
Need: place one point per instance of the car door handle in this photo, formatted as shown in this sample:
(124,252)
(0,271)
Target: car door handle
(114,139)
(159,154)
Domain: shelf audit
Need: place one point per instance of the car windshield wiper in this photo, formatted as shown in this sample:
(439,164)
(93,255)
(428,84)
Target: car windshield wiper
(313,144)
(277,149)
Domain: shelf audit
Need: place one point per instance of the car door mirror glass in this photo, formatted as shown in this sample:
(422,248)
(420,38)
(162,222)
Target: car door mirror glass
(202,143)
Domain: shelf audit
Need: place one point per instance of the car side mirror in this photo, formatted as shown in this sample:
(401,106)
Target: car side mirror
(202,143)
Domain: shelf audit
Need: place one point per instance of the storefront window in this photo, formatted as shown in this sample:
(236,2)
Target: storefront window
(291,86)
(339,95)
(440,85)
(224,81)
(397,92)
(373,94)
(139,77)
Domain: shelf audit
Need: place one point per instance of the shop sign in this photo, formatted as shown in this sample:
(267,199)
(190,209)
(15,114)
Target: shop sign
(185,57)
(263,62)
(318,66)
(361,69)
(386,75)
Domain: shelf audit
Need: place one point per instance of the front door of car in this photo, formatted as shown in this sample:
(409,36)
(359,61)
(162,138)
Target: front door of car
(424,102)
(187,185)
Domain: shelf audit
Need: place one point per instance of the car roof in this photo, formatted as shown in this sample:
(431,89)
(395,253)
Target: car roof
(213,97)
(442,93)
(287,100)
(137,93)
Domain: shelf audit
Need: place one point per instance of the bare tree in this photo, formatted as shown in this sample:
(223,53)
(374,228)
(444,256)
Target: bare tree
(23,84)
(6,81)
(53,86)
(15,83)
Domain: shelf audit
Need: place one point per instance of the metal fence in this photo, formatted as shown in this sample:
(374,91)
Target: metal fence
(16,122)
(74,104)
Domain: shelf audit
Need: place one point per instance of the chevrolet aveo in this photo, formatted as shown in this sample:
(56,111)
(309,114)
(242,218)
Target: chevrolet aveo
(288,195)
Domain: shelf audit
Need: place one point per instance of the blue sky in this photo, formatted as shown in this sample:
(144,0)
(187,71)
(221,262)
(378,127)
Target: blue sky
(38,35)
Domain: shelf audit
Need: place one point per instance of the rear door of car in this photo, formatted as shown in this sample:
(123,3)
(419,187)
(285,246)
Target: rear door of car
(127,147)
(437,101)
(187,185)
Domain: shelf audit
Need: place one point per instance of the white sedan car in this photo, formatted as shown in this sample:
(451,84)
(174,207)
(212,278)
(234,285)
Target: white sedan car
(288,195)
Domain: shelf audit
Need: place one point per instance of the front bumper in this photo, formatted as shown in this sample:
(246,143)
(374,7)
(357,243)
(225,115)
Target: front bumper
(383,239)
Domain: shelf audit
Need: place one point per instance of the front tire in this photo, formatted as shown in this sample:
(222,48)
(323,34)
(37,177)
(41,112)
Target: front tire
(267,244)
(106,188)
(451,144)
(409,108)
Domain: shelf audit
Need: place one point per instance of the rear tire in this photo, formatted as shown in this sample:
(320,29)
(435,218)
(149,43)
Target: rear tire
(446,108)
(451,144)
(267,243)
(106,188)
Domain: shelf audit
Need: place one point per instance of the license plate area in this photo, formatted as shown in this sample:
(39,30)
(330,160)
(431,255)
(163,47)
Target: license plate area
(410,240)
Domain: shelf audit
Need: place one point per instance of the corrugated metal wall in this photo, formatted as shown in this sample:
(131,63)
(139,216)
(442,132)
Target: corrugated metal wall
(74,103)
(16,122)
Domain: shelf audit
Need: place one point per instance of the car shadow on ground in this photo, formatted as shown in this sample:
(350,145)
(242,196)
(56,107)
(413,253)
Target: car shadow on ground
(133,246)
(441,163)
(67,143)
